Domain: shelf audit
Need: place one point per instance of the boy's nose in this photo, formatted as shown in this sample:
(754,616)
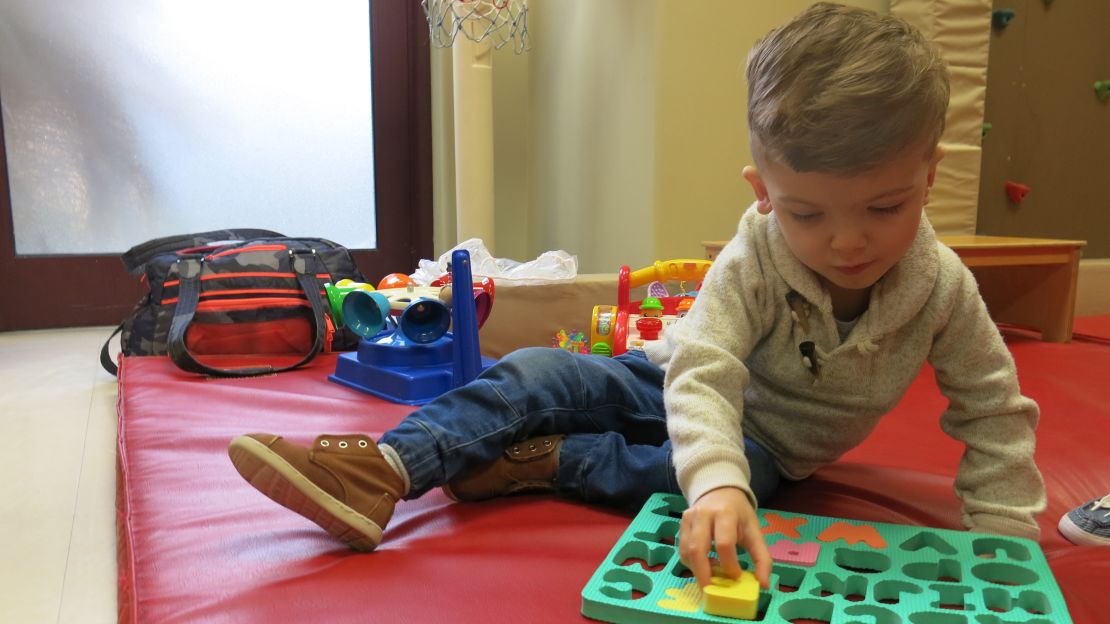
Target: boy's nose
(848,240)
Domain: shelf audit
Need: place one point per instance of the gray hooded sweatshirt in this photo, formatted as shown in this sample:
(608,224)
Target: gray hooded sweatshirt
(735,367)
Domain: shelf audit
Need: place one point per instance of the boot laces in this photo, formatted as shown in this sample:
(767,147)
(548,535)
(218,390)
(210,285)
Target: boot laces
(1103,503)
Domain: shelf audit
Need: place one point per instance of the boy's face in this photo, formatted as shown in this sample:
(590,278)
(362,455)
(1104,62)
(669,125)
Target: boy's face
(848,230)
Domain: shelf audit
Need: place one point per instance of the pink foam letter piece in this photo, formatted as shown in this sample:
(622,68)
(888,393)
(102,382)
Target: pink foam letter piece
(787,551)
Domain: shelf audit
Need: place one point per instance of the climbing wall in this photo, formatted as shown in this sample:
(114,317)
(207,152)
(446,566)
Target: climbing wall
(1049,129)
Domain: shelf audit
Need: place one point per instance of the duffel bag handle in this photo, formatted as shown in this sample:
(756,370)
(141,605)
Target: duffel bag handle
(105,357)
(188,295)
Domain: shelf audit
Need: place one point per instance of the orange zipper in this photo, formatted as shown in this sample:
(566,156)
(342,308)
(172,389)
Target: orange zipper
(224,305)
(296,292)
(217,293)
(213,276)
(232,252)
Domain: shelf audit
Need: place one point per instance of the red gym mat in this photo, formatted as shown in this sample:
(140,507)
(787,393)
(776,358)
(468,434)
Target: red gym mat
(197,544)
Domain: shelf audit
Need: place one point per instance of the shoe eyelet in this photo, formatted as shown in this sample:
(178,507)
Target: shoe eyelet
(362,444)
(532,447)
(342,444)
(547,442)
(325,443)
(516,450)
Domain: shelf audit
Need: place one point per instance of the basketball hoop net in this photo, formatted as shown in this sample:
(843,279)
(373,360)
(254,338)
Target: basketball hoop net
(498,21)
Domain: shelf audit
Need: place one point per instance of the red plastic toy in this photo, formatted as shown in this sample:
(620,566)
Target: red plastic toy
(610,332)
(649,327)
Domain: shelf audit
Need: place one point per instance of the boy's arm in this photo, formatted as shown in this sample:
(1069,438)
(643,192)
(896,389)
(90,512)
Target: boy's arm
(704,397)
(998,481)
(706,376)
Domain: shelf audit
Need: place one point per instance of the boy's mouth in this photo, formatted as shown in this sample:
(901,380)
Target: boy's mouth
(853,269)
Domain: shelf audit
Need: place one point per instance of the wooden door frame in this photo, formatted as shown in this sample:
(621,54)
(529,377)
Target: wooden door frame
(44,291)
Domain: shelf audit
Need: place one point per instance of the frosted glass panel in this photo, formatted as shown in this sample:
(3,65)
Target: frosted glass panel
(127,120)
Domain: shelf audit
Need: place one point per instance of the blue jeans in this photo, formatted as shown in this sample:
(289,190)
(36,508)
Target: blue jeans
(616,451)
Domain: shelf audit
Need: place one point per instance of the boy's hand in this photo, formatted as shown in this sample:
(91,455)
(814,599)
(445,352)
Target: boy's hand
(725,517)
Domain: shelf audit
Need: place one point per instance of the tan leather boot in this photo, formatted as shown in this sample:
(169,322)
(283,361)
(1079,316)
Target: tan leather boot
(525,467)
(342,483)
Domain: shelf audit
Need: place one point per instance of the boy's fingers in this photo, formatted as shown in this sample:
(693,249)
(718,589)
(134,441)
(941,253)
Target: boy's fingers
(693,547)
(702,573)
(757,547)
(725,533)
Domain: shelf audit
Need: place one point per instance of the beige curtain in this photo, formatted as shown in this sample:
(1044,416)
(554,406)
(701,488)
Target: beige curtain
(962,30)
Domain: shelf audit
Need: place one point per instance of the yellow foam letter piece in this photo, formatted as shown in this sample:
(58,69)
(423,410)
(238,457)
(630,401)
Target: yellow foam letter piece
(735,598)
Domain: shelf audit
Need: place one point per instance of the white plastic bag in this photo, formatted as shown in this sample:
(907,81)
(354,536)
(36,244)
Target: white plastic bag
(551,267)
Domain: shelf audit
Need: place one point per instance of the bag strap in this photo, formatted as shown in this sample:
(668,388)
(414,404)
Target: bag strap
(105,359)
(189,294)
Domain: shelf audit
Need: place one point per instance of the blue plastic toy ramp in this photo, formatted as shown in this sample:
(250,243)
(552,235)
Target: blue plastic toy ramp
(420,360)
(412,374)
(833,570)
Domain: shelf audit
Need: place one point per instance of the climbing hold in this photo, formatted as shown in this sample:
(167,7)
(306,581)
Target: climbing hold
(1001,18)
(1102,89)
(987,128)
(1016,192)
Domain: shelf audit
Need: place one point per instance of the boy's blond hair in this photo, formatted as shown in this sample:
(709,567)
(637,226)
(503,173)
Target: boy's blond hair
(841,90)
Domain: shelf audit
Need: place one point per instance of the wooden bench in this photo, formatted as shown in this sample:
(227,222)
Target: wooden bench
(1029,282)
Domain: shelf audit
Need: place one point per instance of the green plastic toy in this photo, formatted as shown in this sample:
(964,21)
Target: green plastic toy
(833,570)
(1102,89)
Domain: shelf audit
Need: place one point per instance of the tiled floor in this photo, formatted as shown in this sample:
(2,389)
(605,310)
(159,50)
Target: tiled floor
(57,452)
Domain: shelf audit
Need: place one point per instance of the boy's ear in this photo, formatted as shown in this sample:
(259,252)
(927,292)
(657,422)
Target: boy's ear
(938,155)
(751,174)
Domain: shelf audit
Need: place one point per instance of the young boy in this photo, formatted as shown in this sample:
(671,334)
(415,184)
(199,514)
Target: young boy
(810,326)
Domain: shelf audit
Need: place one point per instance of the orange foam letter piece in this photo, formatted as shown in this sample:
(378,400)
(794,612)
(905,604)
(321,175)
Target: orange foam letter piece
(851,533)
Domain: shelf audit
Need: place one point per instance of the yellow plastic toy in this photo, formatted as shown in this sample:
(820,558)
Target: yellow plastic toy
(682,270)
(602,326)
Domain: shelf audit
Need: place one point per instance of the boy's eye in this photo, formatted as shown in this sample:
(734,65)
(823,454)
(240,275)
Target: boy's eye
(886,209)
(805,217)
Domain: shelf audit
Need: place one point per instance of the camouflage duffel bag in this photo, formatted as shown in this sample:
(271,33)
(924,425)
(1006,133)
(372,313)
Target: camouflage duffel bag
(234,292)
